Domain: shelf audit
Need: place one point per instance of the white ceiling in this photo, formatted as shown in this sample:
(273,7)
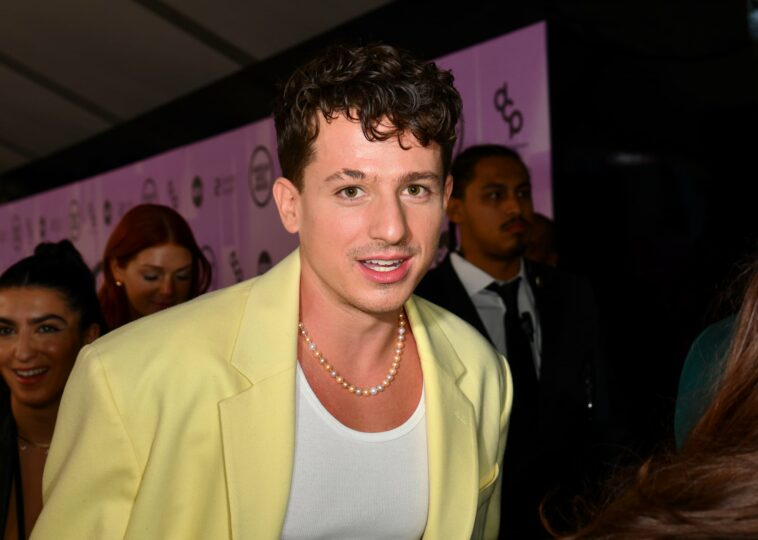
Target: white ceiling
(70,70)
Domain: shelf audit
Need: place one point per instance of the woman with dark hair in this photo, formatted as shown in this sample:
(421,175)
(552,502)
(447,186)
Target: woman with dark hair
(48,312)
(710,489)
(151,262)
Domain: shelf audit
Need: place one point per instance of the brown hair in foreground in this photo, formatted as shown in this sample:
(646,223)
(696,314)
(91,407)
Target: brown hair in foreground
(710,489)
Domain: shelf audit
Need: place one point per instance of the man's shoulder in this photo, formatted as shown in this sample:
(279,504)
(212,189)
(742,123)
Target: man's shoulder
(207,323)
(437,282)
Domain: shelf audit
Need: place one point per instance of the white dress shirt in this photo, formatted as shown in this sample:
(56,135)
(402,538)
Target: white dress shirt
(491,307)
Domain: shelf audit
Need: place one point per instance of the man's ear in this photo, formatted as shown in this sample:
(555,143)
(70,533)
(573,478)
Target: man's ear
(447,189)
(287,199)
(455,210)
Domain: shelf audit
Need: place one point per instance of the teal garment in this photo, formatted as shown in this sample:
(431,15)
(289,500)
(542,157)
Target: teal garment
(700,376)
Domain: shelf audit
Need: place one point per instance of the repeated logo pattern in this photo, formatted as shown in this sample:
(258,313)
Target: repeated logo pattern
(261,176)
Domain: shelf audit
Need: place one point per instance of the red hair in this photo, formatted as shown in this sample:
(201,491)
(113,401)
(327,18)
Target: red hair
(142,227)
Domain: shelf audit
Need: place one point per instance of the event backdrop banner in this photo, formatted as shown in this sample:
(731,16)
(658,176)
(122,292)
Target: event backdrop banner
(222,185)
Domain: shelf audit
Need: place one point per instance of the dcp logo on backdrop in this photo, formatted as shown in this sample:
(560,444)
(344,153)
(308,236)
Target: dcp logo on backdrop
(260,175)
(507,108)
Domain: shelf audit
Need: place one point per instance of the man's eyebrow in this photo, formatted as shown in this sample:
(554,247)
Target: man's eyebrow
(355,174)
(417,176)
(350,173)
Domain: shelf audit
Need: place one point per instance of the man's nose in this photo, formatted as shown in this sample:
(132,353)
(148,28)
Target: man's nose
(388,220)
(512,205)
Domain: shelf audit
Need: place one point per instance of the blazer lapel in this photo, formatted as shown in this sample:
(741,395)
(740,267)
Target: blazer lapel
(455,298)
(258,424)
(451,432)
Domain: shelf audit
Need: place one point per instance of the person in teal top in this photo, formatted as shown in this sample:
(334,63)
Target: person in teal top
(700,376)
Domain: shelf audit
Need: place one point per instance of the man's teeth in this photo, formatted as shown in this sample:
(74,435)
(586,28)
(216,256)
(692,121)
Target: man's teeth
(383,265)
(31,372)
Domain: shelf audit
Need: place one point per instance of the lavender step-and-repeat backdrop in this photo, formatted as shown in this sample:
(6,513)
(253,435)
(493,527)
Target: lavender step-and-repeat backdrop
(222,185)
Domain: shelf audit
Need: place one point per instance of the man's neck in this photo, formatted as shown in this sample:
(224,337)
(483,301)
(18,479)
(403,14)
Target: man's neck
(344,331)
(502,269)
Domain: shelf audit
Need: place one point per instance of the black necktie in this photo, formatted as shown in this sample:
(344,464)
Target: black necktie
(517,342)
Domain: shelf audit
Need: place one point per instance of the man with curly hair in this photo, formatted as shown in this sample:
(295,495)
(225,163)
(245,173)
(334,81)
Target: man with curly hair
(321,399)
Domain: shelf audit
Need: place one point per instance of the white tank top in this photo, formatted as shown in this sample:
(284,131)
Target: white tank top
(348,484)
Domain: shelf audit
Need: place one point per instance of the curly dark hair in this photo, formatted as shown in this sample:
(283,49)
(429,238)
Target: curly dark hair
(366,84)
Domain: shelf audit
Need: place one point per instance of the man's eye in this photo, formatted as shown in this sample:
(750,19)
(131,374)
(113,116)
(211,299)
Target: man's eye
(525,193)
(493,195)
(415,190)
(6,330)
(350,192)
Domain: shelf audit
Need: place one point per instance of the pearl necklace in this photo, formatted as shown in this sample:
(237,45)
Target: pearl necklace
(352,388)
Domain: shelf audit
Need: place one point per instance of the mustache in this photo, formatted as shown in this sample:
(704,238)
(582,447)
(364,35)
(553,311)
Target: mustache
(379,248)
(512,221)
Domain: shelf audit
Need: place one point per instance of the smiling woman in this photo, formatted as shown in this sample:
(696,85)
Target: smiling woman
(48,311)
(151,262)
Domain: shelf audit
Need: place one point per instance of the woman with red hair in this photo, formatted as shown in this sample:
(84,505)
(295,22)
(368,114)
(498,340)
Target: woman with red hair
(151,262)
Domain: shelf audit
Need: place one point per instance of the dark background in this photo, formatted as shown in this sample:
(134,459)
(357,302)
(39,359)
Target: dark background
(653,112)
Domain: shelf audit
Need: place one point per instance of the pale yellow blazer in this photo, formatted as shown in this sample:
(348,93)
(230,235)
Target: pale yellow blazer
(181,425)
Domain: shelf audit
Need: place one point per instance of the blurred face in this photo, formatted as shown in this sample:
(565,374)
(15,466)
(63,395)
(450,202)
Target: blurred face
(495,212)
(157,278)
(39,340)
(368,216)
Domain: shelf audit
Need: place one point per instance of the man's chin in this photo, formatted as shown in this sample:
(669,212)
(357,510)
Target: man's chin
(512,252)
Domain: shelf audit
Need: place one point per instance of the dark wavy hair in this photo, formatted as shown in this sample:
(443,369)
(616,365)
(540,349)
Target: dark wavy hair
(709,490)
(59,266)
(142,227)
(465,163)
(367,84)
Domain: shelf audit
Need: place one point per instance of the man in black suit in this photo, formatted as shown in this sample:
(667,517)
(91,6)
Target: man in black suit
(550,338)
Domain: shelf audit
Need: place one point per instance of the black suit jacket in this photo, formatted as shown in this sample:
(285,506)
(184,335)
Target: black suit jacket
(566,449)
